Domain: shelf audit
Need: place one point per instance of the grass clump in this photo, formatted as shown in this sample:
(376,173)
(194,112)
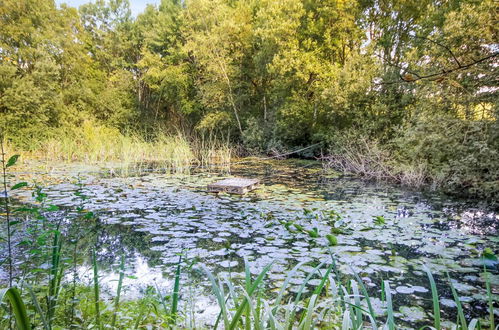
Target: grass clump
(108,147)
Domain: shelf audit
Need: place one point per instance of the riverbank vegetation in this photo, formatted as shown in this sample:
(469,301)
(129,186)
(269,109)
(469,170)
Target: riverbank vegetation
(414,81)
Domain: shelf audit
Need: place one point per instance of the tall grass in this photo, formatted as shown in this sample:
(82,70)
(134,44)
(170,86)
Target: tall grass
(118,291)
(96,290)
(244,305)
(107,146)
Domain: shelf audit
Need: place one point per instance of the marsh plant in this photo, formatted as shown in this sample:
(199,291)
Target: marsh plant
(125,153)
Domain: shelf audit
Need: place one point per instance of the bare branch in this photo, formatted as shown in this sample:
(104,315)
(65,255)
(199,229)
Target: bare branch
(416,77)
(443,46)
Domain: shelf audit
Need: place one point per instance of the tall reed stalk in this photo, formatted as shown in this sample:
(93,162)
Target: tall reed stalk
(5,197)
(55,276)
(176,289)
(118,291)
(96,290)
(490,300)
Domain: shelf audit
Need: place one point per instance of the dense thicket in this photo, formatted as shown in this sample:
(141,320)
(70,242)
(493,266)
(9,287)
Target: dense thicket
(410,85)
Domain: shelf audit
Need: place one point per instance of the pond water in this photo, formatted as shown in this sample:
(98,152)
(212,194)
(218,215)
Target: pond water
(154,217)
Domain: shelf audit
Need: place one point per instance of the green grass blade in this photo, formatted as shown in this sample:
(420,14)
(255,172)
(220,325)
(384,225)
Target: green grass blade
(176,289)
(389,306)
(300,291)
(96,290)
(219,296)
(38,308)
(338,278)
(118,292)
(434,296)
(55,276)
(307,321)
(489,298)
(473,324)
(460,312)
(251,308)
(356,297)
(305,282)
(284,286)
(253,287)
(368,299)
(324,279)
(18,308)
(346,324)
(248,285)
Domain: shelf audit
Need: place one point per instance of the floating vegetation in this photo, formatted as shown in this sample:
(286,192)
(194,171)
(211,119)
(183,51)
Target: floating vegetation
(379,220)
(156,216)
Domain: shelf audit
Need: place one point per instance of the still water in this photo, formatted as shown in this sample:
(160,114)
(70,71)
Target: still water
(152,218)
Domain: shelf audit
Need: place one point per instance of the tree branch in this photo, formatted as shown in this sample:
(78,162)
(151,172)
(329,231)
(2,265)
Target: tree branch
(443,46)
(415,77)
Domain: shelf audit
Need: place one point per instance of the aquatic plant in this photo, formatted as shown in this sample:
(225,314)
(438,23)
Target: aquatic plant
(332,240)
(338,300)
(5,196)
(313,233)
(123,153)
(379,220)
(96,290)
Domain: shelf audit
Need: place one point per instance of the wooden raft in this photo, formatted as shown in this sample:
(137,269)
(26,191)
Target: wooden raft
(234,185)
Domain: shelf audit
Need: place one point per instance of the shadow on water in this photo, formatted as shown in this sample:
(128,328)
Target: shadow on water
(151,218)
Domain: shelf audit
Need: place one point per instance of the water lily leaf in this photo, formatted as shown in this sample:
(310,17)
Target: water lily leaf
(379,220)
(333,241)
(489,259)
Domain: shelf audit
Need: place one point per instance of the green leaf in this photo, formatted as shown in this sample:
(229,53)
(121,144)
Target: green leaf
(379,220)
(332,240)
(52,208)
(18,307)
(434,295)
(12,161)
(19,185)
(88,215)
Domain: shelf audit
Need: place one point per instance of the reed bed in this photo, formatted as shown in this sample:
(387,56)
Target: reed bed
(93,144)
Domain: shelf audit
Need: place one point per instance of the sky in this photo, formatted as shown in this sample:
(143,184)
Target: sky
(137,6)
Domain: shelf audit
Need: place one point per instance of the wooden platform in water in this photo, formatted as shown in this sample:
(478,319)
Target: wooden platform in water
(234,185)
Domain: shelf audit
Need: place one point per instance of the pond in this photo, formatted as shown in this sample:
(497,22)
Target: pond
(383,232)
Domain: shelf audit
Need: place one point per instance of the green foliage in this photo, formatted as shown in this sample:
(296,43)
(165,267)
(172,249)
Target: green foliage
(414,79)
(379,220)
